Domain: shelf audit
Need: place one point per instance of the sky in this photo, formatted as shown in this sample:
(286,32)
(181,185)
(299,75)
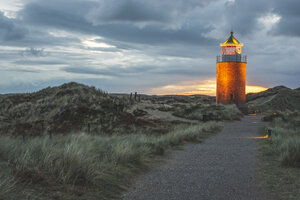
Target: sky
(148,46)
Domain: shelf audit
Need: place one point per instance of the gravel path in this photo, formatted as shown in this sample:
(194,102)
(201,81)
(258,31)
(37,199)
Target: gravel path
(223,167)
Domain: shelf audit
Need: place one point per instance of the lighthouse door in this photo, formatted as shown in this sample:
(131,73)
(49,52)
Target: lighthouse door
(231,98)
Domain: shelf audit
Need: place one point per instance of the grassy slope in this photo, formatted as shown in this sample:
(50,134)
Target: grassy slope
(84,166)
(278,98)
(280,154)
(63,109)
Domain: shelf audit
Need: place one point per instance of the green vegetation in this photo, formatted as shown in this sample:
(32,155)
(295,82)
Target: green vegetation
(281,154)
(7,185)
(84,166)
(44,155)
(71,107)
(211,111)
(278,98)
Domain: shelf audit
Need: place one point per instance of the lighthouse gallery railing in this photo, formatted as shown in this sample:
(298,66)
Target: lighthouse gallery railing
(232,58)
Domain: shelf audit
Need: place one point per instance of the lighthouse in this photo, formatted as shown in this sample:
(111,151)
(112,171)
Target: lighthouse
(231,74)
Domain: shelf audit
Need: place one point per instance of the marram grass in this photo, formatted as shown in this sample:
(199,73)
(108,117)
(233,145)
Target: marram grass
(102,164)
(280,156)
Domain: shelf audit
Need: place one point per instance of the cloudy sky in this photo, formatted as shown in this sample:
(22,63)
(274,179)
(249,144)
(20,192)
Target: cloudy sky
(148,46)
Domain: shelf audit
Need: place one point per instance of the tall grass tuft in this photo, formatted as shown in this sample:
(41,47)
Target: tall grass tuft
(7,185)
(290,152)
(285,138)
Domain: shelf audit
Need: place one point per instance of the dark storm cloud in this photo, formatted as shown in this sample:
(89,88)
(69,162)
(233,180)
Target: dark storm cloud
(127,11)
(75,16)
(10,30)
(136,11)
(290,18)
(242,15)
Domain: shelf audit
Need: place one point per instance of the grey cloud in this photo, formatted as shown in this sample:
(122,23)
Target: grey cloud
(242,15)
(115,71)
(21,70)
(33,52)
(127,11)
(169,69)
(38,62)
(70,15)
(144,12)
(10,30)
(290,18)
(104,49)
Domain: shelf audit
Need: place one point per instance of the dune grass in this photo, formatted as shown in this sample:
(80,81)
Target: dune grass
(7,185)
(212,111)
(102,165)
(285,138)
(281,155)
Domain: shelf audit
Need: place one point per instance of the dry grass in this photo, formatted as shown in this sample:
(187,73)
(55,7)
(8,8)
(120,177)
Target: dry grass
(102,165)
(212,111)
(281,155)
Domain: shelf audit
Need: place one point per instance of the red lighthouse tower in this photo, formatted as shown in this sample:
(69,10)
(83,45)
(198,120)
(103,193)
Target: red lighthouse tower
(231,74)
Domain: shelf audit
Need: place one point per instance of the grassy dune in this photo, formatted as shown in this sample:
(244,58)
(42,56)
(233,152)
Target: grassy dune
(281,155)
(84,166)
(45,153)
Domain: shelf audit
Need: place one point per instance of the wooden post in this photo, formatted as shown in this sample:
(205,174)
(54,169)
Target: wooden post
(135,95)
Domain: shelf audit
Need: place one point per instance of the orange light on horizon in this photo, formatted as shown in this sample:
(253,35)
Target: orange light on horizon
(254,89)
(207,87)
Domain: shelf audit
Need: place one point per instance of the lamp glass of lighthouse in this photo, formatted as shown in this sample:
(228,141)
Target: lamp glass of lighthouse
(231,46)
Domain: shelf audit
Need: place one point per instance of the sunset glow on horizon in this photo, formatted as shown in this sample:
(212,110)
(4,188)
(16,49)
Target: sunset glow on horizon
(207,87)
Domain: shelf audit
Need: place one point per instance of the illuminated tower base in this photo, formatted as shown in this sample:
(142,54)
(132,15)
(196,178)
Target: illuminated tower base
(231,75)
